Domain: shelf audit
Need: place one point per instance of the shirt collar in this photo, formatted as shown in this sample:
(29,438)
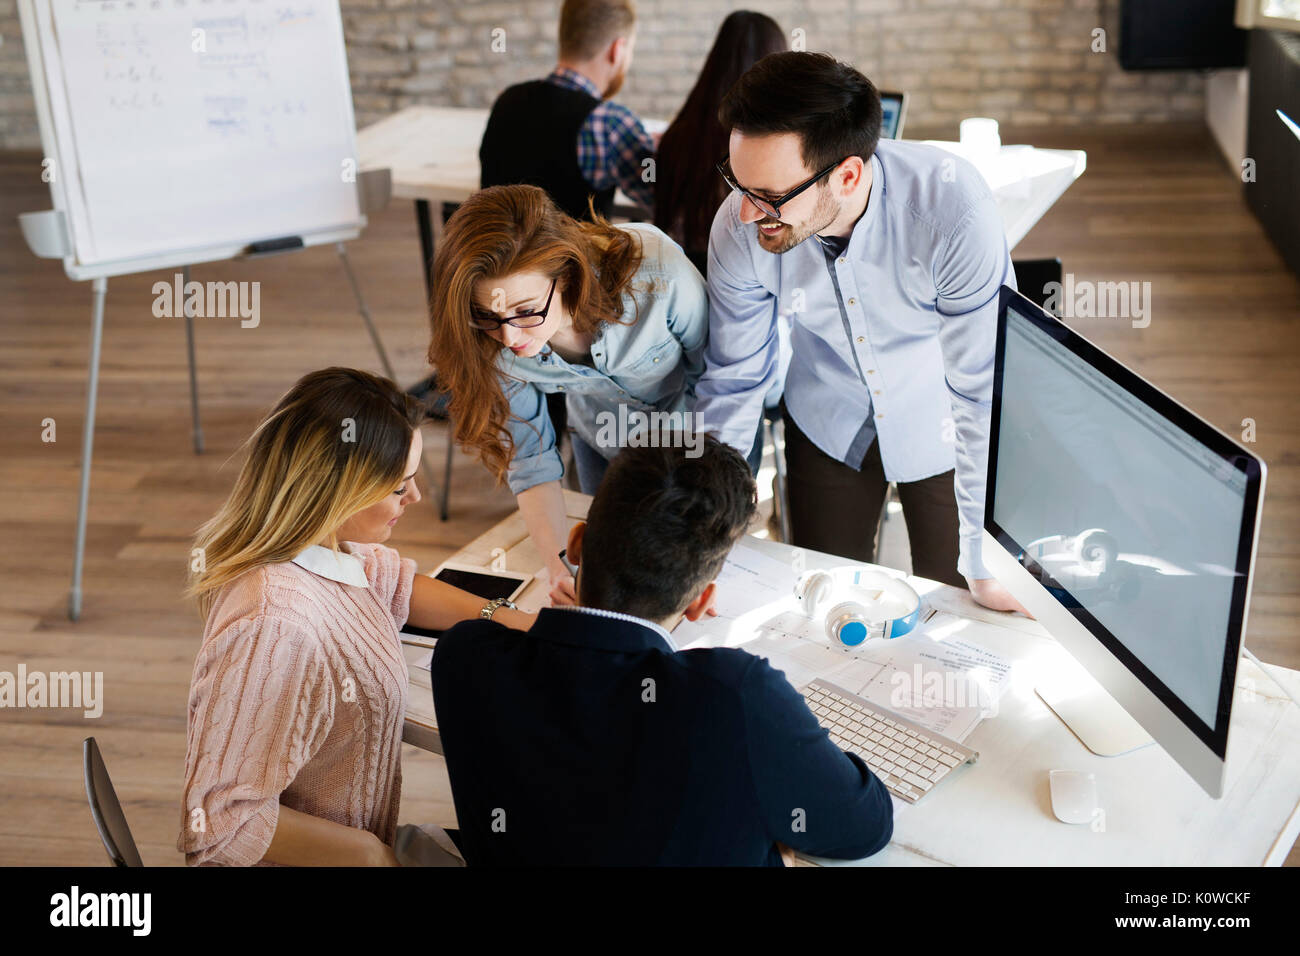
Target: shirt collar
(617,616)
(836,246)
(336,565)
(563,76)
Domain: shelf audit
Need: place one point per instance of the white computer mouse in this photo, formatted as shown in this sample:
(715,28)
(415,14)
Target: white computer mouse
(1074,795)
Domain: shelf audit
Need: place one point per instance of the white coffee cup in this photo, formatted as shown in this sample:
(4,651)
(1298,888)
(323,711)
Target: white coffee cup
(979,136)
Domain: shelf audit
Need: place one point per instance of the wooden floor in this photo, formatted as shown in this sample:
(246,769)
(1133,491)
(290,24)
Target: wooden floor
(1156,205)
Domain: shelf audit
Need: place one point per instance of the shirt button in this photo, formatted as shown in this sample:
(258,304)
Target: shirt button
(876,392)
(881,415)
(841,260)
(853,301)
(656,358)
(871,371)
(861,339)
(559,388)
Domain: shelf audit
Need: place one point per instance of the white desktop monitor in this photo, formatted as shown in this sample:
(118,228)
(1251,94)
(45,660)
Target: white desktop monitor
(1127,526)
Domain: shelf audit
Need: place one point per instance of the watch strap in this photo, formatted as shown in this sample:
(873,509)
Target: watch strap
(491,607)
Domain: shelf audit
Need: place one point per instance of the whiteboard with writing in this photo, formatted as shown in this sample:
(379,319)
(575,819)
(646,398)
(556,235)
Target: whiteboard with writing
(181,131)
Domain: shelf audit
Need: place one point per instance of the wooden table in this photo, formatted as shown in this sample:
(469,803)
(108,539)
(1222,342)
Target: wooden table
(998,811)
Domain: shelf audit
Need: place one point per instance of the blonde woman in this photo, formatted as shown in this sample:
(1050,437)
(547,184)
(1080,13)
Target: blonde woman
(299,690)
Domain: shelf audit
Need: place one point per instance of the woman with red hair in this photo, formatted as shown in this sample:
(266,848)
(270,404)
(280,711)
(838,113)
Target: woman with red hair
(529,302)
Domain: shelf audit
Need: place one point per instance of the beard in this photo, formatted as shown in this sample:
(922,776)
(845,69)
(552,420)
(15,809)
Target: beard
(615,84)
(791,234)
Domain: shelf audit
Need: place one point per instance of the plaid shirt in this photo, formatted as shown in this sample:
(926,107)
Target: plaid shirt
(611,143)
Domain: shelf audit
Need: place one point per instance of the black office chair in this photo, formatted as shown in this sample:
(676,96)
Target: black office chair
(1032,278)
(105,809)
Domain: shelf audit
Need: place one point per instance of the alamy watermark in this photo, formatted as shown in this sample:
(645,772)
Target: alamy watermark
(212,300)
(1101,300)
(927,689)
(83,689)
(634,428)
(132,911)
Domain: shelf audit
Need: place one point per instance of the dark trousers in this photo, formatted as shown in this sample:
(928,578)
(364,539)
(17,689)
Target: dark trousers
(835,509)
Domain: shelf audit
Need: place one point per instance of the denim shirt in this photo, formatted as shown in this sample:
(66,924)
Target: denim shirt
(892,340)
(649,365)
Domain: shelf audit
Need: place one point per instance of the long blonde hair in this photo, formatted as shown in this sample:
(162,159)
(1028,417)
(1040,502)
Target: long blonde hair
(337,442)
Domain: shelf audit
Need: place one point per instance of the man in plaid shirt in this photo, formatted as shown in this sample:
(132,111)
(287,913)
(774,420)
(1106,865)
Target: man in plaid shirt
(563,133)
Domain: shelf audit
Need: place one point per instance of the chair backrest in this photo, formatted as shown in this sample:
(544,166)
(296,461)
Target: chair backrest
(105,809)
(1033,277)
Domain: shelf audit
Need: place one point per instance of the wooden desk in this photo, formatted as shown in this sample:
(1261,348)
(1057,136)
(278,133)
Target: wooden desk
(998,812)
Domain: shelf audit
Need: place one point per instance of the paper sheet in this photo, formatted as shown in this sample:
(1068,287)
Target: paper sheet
(939,676)
(751,581)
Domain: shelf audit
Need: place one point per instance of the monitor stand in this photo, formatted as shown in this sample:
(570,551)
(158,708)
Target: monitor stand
(1092,715)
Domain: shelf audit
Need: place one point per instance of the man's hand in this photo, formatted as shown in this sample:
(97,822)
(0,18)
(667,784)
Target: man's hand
(992,595)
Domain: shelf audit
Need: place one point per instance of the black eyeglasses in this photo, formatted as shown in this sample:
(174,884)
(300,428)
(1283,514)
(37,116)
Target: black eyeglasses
(524,320)
(770,207)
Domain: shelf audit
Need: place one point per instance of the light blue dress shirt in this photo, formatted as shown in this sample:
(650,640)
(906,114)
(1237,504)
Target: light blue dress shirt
(649,365)
(893,340)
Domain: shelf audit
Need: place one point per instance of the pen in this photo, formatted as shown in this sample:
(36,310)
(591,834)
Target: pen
(572,568)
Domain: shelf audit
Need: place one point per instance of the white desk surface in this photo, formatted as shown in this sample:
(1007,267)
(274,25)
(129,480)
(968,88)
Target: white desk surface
(432,152)
(998,811)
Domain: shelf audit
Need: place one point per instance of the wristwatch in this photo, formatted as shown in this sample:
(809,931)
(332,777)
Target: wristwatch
(490,608)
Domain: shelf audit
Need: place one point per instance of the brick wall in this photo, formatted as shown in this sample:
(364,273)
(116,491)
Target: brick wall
(1024,62)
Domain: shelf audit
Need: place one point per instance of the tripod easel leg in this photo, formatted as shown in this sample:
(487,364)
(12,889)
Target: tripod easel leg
(383,355)
(194,375)
(365,312)
(99,289)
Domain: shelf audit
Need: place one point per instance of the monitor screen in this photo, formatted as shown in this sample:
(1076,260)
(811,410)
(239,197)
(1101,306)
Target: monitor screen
(891,106)
(1127,508)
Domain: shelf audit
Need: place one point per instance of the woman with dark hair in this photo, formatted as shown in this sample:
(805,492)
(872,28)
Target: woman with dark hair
(688,189)
(529,302)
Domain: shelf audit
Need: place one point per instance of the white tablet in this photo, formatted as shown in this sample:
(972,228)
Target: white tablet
(486,583)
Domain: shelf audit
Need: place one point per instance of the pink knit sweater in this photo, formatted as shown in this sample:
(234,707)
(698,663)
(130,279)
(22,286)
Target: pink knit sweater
(297,698)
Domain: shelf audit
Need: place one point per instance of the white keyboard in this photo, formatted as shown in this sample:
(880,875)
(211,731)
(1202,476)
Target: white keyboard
(907,758)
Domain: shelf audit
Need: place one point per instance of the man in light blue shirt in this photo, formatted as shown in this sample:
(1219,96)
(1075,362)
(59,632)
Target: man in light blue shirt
(887,258)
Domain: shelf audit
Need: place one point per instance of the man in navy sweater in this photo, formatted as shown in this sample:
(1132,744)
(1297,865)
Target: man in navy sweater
(591,740)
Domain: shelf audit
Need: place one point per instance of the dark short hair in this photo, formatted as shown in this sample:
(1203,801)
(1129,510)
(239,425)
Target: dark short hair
(833,108)
(661,525)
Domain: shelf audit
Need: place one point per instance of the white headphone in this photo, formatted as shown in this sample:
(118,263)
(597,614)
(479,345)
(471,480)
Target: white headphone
(872,605)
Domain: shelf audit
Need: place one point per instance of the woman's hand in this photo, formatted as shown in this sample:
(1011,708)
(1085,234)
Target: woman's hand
(515,618)
(381,854)
(301,839)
